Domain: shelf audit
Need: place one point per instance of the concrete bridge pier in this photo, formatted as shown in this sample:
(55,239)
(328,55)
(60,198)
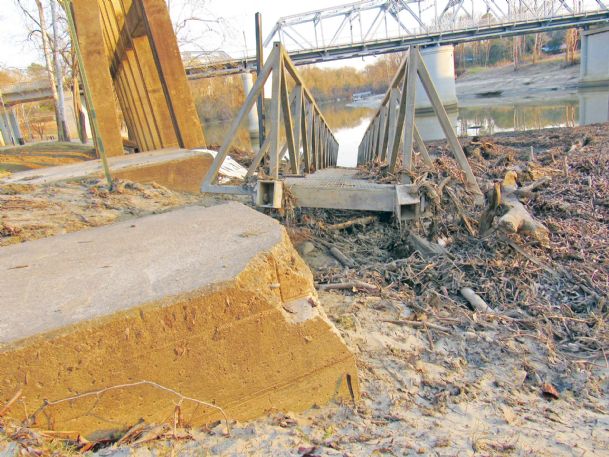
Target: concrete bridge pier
(440,62)
(9,127)
(593,105)
(252,119)
(441,65)
(6,138)
(594,66)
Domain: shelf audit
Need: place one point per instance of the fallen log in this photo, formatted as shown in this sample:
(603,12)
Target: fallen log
(425,248)
(342,258)
(10,403)
(527,191)
(338,255)
(476,301)
(503,201)
(418,324)
(519,220)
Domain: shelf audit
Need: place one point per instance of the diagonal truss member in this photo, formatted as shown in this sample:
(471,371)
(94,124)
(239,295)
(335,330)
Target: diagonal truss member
(394,123)
(307,138)
(346,16)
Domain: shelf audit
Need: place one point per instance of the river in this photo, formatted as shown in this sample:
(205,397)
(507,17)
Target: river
(350,123)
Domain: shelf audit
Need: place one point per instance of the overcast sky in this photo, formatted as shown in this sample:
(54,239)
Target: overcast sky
(237,26)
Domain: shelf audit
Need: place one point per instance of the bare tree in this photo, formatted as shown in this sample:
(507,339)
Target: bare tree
(571,41)
(61,101)
(199,32)
(50,49)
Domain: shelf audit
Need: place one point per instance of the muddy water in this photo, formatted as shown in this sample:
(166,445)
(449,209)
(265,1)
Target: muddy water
(486,118)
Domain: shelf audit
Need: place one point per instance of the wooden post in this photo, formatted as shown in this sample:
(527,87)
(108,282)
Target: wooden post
(171,71)
(275,114)
(306,143)
(382,132)
(288,122)
(259,66)
(297,123)
(391,128)
(400,121)
(245,109)
(447,127)
(95,62)
(422,148)
(410,87)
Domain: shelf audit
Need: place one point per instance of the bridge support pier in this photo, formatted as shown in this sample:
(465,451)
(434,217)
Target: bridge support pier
(252,118)
(594,66)
(12,116)
(593,105)
(9,127)
(440,62)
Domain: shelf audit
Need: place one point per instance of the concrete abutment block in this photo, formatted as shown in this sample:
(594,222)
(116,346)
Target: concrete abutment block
(212,302)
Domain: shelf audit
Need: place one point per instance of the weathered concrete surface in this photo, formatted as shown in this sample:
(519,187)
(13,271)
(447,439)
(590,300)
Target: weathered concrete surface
(177,169)
(180,174)
(219,310)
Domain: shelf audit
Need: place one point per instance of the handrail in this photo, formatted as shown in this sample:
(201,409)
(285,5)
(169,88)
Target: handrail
(394,122)
(310,143)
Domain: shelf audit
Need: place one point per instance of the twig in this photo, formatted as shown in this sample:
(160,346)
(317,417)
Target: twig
(363,221)
(476,301)
(530,257)
(97,393)
(348,285)
(418,324)
(6,407)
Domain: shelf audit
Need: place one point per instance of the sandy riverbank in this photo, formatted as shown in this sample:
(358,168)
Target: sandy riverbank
(547,80)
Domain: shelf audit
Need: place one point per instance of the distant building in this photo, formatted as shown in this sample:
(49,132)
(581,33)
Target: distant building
(361,95)
(555,48)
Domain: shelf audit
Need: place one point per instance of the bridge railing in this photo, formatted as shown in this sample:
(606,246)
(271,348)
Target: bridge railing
(450,27)
(295,125)
(373,20)
(393,125)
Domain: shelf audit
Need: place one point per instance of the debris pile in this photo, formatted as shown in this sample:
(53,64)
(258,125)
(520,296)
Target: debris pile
(536,255)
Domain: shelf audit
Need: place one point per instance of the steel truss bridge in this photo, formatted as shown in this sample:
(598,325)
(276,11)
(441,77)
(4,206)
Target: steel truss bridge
(372,27)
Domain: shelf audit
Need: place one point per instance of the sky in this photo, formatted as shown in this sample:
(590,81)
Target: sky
(236,18)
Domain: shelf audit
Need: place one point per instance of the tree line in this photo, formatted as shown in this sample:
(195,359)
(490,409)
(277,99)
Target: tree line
(220,98)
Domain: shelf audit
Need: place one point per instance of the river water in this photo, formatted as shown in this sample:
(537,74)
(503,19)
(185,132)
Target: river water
(349,123)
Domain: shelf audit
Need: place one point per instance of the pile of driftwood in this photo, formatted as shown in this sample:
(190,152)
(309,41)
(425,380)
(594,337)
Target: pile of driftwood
(534,257)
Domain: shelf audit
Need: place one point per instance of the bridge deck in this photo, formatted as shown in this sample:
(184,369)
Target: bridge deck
(340,188)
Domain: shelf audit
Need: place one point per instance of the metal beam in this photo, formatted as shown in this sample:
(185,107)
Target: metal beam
(402,43)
